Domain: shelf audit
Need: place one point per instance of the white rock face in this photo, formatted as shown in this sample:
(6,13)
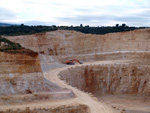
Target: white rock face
(64,43)
(110,79)
(70,44)
(22,74)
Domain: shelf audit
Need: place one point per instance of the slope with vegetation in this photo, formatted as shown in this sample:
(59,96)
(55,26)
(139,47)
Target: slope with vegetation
(6,45)
(27,30)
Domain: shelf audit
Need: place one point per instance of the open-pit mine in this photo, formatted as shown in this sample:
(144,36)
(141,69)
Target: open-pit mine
(114,76)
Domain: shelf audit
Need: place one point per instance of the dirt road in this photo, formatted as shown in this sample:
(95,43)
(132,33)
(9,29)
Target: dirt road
(82,97)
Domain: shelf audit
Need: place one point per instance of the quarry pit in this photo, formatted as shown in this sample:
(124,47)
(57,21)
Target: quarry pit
(115,76)
(116,84)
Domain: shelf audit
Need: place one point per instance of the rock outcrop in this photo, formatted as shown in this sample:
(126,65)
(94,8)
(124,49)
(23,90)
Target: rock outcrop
(21,74)
(24,73)
(71,44)
(110,79)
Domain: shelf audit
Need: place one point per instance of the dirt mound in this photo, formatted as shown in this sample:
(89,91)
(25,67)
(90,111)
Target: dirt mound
(60,109)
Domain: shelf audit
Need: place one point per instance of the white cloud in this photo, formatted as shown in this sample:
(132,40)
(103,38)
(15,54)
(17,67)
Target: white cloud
(52,11)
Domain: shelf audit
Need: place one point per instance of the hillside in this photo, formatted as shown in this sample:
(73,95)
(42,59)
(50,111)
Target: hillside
(114,76)
(6,24)
(22,29)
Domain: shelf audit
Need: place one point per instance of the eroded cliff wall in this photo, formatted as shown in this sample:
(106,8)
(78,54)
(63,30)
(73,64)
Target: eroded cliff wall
(110,79)
(23,62)
(21,74)
(72,44)
(63,42)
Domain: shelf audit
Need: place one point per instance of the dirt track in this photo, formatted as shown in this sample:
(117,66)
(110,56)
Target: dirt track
(82,97)
(127,45)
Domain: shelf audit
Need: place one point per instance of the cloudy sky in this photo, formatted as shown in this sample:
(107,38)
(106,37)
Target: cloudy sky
(76,12)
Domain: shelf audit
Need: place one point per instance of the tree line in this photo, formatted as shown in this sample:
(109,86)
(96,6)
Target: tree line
(24,30)
(27,30)
(102,29)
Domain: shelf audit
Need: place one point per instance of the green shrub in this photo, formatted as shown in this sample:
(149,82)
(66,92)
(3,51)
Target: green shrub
(11,45)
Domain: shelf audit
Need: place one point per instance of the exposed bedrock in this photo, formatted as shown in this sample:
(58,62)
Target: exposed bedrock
(110,79)
(21,74)
(61,45)
(23,62)
(63,42)
(139,57)
(70,44)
